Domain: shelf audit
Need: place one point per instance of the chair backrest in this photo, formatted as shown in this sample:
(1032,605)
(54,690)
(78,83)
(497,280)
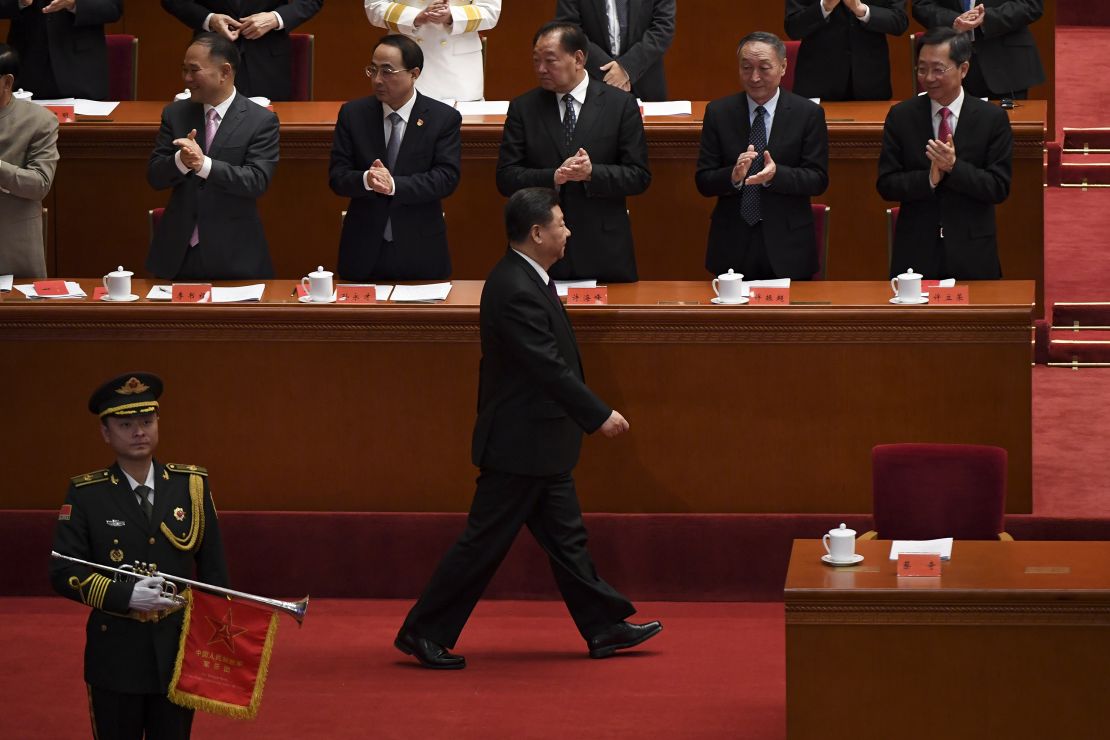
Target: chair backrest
(1053,159)
(303,55)
(891,227)
(926,491)
(821,232)
(153,218)
(791,60)
(123,66)
(1086,140)
(915,83)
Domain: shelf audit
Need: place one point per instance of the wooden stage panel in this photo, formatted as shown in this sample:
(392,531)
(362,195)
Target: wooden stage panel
(670,221)
(1009,642)
(371,408)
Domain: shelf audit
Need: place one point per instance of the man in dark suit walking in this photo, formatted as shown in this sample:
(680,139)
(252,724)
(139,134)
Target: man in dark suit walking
(260,31)
(217,150)
(61,45)
(533,405)
(1004,58)
(764,152)
(946,157)
(844,53)
(628,39)
(586,139)
(396,155)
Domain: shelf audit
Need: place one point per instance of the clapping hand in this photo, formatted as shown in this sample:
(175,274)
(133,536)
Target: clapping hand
(616,76)
(577,168)
(971,20)
(766,174)
(224,25)
(379,179)
(258,25)
(743,164)
(614,425)
(942,158)
(437,12)
(54,6)
(191,155)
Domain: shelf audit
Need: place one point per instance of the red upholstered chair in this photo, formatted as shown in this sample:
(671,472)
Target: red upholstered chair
(791,60)
(152,218)
(123,66)
(927,491)
(303,48)
(821,231)
(1086,140)
(891,226)
(1053,158)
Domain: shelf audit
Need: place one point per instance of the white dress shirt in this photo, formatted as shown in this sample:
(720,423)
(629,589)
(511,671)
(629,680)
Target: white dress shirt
(221,114)
(542,272)
(149,483)
(405,112)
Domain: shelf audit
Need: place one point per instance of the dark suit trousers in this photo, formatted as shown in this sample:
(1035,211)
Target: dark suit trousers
(192,267)
(976,85)
(755,264)
(118,716)
(503,503)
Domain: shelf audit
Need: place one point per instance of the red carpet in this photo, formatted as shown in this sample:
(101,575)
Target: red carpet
(716,671)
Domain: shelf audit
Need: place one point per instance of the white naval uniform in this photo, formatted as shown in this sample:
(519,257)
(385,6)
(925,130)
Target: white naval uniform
(453,67)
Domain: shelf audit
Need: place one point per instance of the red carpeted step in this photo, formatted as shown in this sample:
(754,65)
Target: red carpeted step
(1083,315)
(1079,352)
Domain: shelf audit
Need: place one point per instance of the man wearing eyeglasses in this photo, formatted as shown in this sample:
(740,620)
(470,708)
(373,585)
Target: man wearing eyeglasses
(1004,59)
(946,157)
(396,155)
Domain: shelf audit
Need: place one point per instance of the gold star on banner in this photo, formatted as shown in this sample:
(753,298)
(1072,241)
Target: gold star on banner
(225,631)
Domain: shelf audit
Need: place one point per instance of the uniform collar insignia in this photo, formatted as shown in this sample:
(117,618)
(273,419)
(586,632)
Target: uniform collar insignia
(115,522)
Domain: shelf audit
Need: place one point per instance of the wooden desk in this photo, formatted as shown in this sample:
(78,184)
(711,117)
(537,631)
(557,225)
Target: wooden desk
(733,409)
(670,221)
(1010,642)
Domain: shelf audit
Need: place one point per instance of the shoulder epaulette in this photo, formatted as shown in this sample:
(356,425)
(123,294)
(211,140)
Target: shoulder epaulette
(96,476)
(186,469)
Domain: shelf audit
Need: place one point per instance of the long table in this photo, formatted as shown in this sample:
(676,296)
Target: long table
(100,199)
(1009,642)
(334,408)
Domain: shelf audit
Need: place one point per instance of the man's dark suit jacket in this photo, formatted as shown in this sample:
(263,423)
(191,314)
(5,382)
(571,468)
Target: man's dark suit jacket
(799,145)
(63,55)
(647,38)
(1005,49)
(265,68)
(123,654)
(223,206)
(842,58)
(962,204)
(427,170)
(611,131)
(533,403)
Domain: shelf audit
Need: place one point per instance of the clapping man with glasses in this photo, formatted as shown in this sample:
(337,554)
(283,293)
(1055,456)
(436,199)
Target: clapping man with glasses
(396,155)
(946,157)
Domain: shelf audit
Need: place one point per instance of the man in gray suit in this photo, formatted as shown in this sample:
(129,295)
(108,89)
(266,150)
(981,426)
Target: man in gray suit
(28,156)
(217,150)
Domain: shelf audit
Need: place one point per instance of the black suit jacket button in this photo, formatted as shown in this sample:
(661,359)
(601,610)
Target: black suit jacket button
(151,540)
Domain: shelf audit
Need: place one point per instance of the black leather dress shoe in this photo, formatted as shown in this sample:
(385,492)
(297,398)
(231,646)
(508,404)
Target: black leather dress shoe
(620,636)
(430,654)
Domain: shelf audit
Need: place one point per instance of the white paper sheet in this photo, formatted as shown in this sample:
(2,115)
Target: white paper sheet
(83,106)
(482,107)
(160,293)
(747,285)
(5,282)
(260,100)
(946,283)
(420,293)
(239,293)
(562,285)
(942,545)
(73,291)
(668,108)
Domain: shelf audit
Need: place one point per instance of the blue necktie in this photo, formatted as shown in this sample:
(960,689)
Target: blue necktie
(749,196)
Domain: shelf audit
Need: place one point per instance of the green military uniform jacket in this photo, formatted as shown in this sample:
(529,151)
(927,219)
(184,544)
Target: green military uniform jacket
(102,522)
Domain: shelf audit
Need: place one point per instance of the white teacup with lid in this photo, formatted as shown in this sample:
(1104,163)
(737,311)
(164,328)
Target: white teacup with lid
(22,94)
(318,285)
(118,284)
(728,286)
(907,286)
(840,544)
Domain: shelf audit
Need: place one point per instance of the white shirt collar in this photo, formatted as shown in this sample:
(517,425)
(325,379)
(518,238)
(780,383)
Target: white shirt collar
(954,107)
(579,91)
(404,111)
(149,482)
(221,109)
(769,106)
(543,273)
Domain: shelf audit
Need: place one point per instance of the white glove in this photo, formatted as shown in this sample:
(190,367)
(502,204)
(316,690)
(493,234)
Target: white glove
(147,595)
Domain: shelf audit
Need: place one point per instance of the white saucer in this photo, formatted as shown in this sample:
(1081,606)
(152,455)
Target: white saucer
(827,559)
(308,299)
(719,302)
(128,299)
(910,302)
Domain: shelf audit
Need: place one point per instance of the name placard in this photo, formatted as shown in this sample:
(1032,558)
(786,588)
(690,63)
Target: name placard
(191,293)
(588,296)
(349,295)
(99,292)
(65,113)
(51,287)
(957,296)
(770,297)
(912,565)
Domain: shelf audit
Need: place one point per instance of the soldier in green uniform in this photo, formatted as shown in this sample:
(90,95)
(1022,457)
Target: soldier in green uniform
(136,510)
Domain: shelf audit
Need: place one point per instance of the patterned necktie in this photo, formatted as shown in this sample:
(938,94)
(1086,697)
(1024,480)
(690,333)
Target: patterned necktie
(613,12)
(211,124)
(945,129)
(391,150)
(144,500)
(569,120)
(749,196)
